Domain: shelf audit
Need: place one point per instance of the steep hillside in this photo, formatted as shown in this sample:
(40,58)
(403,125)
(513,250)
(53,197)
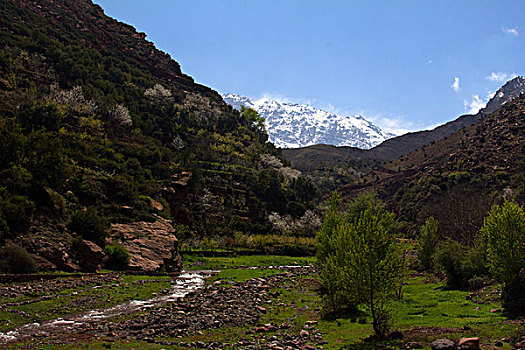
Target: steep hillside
(314,156)
(458,178)
(292,125)
(94,119)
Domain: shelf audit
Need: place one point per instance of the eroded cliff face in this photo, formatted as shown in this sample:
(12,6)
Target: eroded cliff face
(153,246)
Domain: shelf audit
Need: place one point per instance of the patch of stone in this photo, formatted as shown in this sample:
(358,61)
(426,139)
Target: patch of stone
(220,304)
(45,288)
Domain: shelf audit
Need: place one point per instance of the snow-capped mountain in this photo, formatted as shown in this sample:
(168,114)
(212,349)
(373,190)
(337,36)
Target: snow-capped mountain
(292,125)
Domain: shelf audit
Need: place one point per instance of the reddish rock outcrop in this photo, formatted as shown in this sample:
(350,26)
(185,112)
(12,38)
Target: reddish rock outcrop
(53,256)
(152,246)
(90,256)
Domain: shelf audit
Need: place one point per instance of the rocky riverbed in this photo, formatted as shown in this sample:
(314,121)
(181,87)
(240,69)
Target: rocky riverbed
(222,304)
(184,284)
(182,317)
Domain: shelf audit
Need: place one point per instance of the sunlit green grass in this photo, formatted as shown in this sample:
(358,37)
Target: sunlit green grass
(192,262)
(446,313)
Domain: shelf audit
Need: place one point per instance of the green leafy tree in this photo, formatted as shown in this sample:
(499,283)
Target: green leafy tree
(359,259)
(257,122)
(332,218)
(426,245)
(504,234)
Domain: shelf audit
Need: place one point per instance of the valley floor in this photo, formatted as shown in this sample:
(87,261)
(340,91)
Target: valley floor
(253,302)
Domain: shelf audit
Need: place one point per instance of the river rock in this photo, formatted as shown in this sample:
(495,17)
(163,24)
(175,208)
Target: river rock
(89,255)
(443,344)
(469,343)
(152,246)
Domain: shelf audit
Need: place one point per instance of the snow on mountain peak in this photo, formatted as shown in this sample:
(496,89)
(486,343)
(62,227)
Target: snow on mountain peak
(292,125)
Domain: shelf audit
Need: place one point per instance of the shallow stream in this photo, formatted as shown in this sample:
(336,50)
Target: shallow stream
(184,284)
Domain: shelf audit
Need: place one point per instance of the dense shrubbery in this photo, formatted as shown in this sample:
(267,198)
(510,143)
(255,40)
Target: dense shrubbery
(464,266)
(498,252)
(89,225)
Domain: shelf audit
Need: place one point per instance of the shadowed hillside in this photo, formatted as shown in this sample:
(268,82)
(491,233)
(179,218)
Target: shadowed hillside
(98,127)
(458,178)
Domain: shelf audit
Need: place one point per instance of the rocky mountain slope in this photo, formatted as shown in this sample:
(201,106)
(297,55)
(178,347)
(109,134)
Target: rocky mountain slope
(313,156)
(98,127)
(458,178)
(293,125)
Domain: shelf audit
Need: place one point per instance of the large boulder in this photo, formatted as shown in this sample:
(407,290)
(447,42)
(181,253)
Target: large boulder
(89,255)
(152,246)
(53,256)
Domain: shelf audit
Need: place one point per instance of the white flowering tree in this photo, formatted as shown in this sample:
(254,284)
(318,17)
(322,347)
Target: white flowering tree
(158,95)
(121,116)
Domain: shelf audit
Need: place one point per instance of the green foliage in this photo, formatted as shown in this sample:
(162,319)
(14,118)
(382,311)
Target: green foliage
(15,259)
(276,244)
(361,263)
(89,225)
(117,257)
(504,234)
(4,229)
(85,124)
(257,122)
(333,217)
(427,242)
(209,244)
(448,258)
(16,211)
(464,266)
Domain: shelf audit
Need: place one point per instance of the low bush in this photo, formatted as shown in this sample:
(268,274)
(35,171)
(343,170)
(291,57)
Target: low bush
(15,259)
(117,257)
(465,267)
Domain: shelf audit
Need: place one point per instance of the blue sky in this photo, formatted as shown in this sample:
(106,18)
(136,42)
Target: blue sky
(406,65)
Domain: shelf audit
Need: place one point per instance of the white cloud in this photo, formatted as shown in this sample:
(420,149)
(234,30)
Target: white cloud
(501,76)
(475,104)
(395,125)
(455,85)
(510,31)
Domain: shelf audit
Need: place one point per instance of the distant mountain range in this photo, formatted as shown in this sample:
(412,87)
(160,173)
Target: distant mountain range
(293,125)
(311,157)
